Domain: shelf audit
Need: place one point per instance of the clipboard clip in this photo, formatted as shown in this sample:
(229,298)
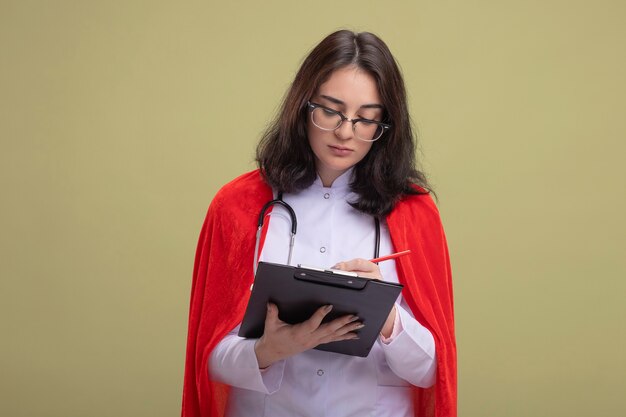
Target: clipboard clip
(331,277)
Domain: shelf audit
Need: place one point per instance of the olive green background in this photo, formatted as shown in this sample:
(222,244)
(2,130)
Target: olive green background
(119,120)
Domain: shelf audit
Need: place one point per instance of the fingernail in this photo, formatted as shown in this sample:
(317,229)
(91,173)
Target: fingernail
(360,326)
(353,318)
(328,308)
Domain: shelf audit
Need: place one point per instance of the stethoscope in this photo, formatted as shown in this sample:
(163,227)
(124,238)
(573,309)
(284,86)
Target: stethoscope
(294,227)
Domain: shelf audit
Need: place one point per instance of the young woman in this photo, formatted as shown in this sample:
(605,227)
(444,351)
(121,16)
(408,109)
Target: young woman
(341,155)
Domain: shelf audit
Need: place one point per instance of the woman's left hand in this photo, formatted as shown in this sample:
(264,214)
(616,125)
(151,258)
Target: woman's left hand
(367,269)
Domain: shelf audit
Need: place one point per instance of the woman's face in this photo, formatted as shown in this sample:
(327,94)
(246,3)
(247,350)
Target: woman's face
(353,92)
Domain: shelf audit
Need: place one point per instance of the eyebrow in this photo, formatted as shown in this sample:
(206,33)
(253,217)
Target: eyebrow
(364,106)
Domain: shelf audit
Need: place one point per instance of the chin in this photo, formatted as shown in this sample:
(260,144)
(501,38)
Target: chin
(339,168)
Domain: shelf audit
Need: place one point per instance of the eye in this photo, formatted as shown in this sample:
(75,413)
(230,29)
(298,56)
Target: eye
(368,122)
(328,112)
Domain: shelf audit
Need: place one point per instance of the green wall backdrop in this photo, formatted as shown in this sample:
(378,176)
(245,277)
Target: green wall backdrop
(119,120)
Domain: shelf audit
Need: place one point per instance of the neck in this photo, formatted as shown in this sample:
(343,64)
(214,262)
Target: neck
(328,178)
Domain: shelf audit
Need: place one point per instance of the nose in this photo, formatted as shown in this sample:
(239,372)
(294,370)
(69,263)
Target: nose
(345,131)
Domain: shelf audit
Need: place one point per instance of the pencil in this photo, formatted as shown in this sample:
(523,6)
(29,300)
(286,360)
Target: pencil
(392,256)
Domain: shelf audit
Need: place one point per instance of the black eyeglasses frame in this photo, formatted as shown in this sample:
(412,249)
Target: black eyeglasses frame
(385,126)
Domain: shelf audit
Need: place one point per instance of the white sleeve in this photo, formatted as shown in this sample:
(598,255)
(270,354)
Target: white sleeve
(410,351)
(234,362)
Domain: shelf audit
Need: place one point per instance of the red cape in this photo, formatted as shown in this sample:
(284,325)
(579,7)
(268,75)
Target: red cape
(223,274)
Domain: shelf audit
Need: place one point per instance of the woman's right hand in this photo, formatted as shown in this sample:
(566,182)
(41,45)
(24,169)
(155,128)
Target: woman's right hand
(281,340)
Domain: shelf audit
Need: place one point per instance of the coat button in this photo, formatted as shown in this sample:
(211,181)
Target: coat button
(322,249)
(326,196)
(320,372)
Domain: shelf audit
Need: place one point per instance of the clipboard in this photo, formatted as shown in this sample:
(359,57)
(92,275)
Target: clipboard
(299,291)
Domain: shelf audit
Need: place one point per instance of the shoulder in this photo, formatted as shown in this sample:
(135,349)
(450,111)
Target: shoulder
(423,201)
(243,186)
(416,208)
(244,192)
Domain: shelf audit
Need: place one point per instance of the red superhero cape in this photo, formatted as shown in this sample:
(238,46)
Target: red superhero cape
(223,274)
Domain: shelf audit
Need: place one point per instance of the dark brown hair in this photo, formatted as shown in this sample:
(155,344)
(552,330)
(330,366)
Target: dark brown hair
(388,170)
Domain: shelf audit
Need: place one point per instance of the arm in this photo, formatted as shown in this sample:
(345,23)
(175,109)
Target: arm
(410,349)
(234,362)
(408,346)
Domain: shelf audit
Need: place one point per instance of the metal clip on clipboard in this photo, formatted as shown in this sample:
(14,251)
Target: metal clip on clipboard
(343,279)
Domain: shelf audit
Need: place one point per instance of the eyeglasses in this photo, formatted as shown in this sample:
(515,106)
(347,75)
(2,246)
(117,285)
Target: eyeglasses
(328,119)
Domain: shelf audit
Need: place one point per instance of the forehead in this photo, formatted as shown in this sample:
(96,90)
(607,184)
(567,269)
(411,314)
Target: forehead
(352,85)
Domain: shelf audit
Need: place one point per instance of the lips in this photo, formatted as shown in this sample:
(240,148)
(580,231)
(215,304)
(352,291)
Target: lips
(340,148)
